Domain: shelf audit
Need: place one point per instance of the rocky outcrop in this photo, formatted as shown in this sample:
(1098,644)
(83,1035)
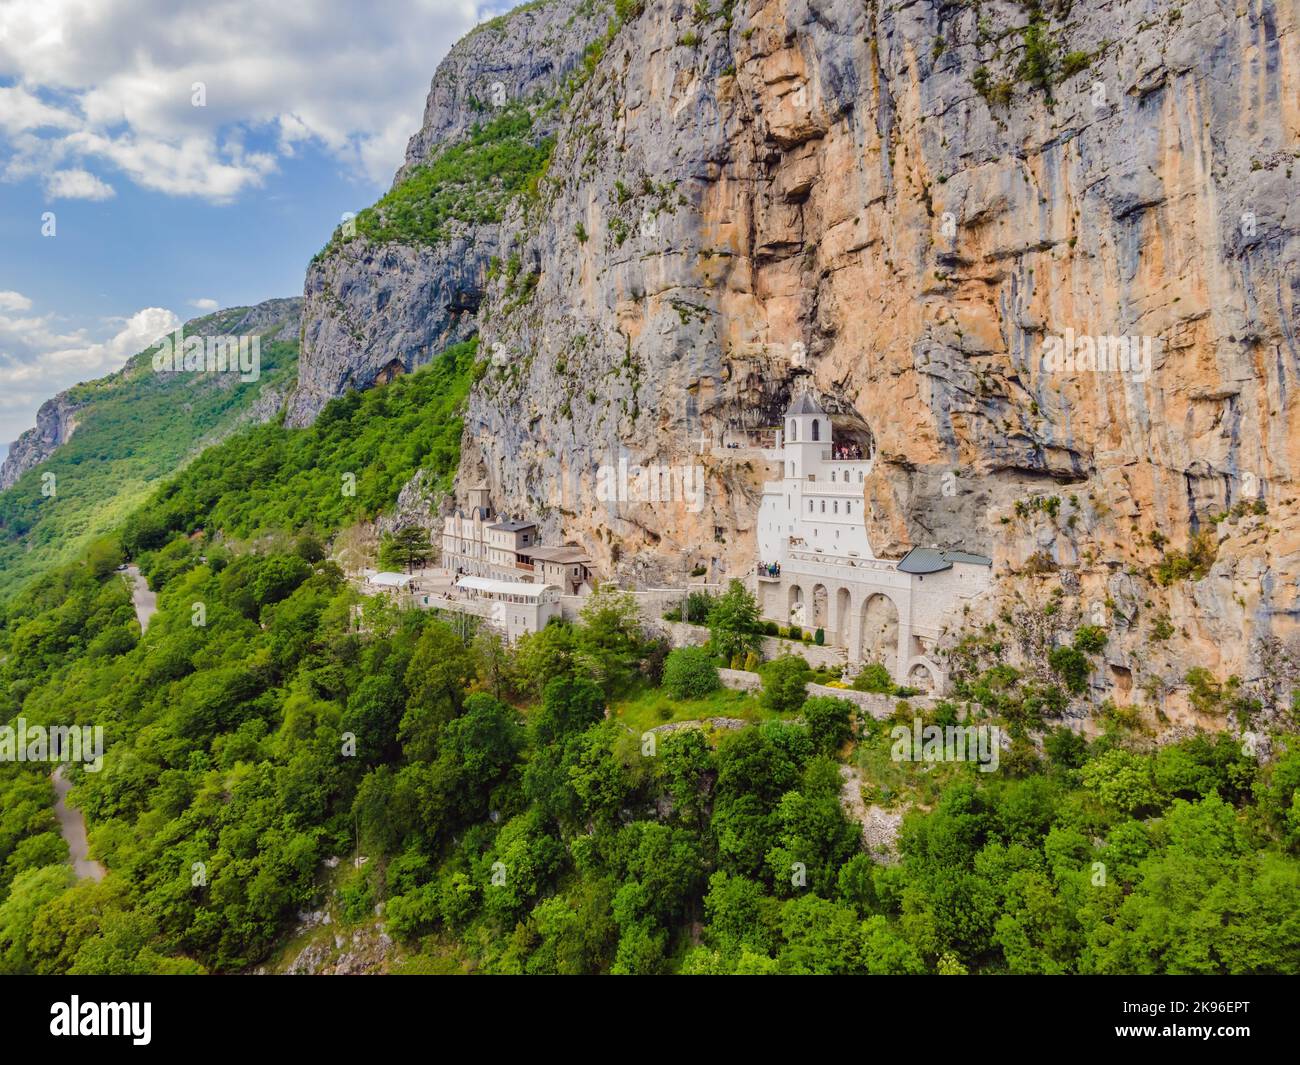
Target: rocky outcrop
(56,421)
(909,209)
(373,311)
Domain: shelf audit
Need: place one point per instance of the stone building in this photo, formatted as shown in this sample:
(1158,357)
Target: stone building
(816,568)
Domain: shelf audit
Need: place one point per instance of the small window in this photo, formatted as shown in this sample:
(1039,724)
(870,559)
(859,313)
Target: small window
(832,476)
(794,435)
(810,506)
(823,506)
(835,507)
(848,508)
(817,432)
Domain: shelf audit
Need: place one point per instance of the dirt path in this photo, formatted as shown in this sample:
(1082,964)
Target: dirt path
(145,601)
(72,826)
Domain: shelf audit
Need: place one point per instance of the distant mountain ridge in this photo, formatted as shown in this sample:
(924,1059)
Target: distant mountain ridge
(108,442)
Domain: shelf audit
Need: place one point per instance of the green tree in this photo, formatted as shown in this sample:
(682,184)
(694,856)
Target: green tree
(735,627)
(784,681)
(690,673)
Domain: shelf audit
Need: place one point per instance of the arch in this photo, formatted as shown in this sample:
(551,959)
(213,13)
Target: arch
(879,633)
(816,429)
(843,616)
(794,433)
(922,677)
(796,608)
(819,606)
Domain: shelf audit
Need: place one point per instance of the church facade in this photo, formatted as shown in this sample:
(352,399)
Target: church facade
(816,568)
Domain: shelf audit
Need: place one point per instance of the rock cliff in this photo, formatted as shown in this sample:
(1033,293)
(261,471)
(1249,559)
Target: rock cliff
(56,421)
(910,208)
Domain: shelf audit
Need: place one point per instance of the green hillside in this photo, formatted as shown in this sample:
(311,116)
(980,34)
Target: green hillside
(136,428)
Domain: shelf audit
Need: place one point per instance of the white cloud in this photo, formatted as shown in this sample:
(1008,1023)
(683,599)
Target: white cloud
(204,304)
(111,83)
(37,360)
(77,185)
(14,301)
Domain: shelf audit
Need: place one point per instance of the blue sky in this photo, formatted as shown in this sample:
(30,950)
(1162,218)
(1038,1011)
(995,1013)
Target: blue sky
(164,209)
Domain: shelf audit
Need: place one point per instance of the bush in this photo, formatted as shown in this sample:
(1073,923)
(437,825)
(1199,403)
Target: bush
(1071,666)
(689,673)
(819,637)
(1090,639)
(753,661)
(795,632)
(698,605)
(771,628)
(829,722)
(784,680)
(874,677)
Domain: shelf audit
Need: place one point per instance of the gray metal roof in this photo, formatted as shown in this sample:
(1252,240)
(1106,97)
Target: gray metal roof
(933,560)
(804,404)
(513,525)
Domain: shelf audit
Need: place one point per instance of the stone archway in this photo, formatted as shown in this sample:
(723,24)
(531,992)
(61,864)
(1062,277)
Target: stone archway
(921,677)
(796,608)
(879,640)
(820,603)
(843,617)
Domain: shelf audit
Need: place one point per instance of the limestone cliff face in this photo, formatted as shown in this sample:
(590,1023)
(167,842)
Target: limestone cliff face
(373,311)
(907,206)
(56,421)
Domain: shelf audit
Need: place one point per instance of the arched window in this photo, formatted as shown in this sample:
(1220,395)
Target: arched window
(823,506)
(810,506)
(794,434)
(835,507)
(832,476)
(817,434)
(848,508)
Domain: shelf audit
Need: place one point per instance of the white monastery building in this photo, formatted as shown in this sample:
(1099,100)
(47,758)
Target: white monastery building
(817,570)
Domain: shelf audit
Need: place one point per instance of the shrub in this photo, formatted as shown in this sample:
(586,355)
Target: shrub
(753,661)
(784,680)
(1090,639)
(819,637)
(874,677)
(689,673)
(795,632)
(829,722)
(1071,666)
(1192,564)
(698,605)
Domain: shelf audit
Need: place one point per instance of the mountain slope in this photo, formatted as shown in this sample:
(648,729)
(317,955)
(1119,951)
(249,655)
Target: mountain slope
(132,429)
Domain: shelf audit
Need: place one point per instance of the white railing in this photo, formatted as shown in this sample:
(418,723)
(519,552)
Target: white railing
(843,561)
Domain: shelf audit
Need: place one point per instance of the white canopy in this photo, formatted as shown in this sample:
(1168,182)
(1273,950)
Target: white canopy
(521,588)
(389,580)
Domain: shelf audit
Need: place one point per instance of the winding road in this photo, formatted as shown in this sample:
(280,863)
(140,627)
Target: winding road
(72,822)
(144,601)
(72,827)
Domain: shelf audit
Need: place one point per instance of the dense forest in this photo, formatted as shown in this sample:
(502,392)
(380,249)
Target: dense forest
(515,810)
